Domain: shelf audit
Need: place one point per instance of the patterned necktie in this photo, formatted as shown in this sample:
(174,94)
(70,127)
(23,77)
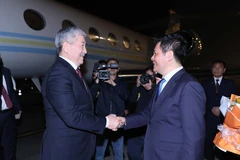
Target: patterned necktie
(6,98)
(160,86)
(217,86)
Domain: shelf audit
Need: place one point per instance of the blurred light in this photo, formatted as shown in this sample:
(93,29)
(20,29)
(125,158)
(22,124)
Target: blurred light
(19,92)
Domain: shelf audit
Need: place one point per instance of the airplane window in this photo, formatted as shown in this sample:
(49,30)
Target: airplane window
(34,19)
(126,42)
(66,23)
(137,45)
(93,34)
(112,39)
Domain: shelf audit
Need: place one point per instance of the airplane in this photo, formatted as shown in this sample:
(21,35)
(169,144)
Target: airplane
(27,39)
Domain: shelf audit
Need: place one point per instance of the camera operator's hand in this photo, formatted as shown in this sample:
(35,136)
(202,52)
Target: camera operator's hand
(148,85)
(95,77)
(97,80)
(138,83)
(111,81)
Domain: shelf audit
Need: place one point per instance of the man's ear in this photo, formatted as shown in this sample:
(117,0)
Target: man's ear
(65,47)
(169,55)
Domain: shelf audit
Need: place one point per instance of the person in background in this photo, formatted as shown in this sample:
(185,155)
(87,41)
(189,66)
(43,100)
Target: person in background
(113,94)
(71,125)
(141,95)
(215,87)
(96,68)
(9,107)
(175,115)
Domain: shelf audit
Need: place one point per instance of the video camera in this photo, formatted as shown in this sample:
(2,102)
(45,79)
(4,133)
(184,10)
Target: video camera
(102,70)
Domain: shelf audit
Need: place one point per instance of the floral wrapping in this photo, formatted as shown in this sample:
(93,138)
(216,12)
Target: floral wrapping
(228,137)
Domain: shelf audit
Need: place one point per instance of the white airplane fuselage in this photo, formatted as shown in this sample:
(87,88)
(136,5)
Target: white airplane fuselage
(29,53)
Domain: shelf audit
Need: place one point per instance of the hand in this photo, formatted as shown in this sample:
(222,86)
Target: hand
(216,111)
(18,116)
(126,112)
(122,121)
(148,85)
(114,122)
(97,80)
(138,83)
(111,81)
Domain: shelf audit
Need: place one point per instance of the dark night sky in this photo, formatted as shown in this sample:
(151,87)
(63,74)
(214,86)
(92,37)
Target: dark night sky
(216,22)
(133,14)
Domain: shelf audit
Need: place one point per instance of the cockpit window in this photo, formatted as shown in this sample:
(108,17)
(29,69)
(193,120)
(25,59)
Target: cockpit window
(34,19)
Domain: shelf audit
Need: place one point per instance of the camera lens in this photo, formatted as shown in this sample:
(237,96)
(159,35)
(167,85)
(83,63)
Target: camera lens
(144,79)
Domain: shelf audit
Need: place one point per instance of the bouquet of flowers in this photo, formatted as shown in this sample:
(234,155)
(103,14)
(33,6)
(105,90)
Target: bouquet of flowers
(228,137)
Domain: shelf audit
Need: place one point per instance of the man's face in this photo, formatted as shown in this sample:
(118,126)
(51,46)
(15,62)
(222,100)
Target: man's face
(77,50)
(112,71)
(159,59)
(218,70)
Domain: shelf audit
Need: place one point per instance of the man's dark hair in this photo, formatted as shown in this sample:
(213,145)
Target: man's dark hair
(175,43)
(113,60)
(219,61)
(101,61)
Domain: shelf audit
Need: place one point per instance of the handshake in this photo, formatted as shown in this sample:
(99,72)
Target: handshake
(115,122)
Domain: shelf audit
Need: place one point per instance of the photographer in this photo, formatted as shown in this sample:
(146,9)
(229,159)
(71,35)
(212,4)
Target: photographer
(113,94)
(141,95)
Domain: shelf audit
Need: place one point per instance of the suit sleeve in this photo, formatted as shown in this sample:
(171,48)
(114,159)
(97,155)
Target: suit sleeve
(139,119)
(192,110)
(60,94)
(13,94)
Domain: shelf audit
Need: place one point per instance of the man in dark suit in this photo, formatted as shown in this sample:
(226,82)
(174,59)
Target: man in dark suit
(175,115)
(8,126)
(215,88)
(68,105)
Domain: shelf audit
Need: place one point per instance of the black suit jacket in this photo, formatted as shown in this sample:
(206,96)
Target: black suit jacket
(226,88)
(70,121)
(11,92)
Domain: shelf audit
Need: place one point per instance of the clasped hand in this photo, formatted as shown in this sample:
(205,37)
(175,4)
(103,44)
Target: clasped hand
(115,122)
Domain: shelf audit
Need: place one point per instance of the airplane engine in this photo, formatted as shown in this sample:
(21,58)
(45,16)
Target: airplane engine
(194,42)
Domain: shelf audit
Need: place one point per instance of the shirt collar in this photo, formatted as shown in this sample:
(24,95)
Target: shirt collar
(70,62)
(220,79)
(170,74)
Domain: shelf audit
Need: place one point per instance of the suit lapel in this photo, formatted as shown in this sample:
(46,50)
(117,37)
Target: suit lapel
(74,73)
(168,89)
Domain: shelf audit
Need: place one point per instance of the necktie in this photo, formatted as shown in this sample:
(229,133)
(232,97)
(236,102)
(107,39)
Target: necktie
(79,73)
(160,85)
(6,98)
(217,86)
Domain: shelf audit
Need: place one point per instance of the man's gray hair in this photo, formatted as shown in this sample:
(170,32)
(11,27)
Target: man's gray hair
(67,35)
